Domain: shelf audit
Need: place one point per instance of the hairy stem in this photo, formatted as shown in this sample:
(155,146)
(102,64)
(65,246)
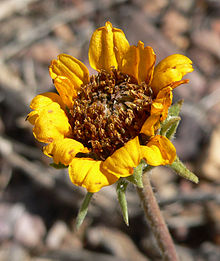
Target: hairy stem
(156,221)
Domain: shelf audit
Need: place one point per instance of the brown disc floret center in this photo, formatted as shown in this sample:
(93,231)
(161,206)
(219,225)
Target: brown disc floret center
(109,111)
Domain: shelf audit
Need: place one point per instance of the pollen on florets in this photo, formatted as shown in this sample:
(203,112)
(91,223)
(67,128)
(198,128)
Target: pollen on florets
(109,111)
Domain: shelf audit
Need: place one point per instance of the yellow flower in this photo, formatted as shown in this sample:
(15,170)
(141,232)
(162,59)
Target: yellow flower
(101,126)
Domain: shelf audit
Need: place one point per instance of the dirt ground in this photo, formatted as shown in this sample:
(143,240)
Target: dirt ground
(38,204)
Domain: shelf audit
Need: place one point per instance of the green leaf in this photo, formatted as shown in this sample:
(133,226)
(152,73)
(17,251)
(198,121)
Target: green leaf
(58,166)
(136,178)
(121,189)
(182,170)
(83,210)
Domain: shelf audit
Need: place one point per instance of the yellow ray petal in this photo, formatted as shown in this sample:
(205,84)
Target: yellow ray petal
(139,62)
(40,102)
(66,91)
(87,173)
(169,70)
(123,160)
(162,103)
(107,48)
(173,85)
(32,116)
(130,62)
(64,150)
(159,151)
(146,63)
(71,68)
(151,124)
(44,99)
(51,123)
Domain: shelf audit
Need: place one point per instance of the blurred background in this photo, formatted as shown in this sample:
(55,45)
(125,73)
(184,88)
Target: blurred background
(38,204)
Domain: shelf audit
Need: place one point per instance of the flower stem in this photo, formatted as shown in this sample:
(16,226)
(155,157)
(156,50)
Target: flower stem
(156,221)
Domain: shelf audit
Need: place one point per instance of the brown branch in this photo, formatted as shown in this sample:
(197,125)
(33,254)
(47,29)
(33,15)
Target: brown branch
(156,221)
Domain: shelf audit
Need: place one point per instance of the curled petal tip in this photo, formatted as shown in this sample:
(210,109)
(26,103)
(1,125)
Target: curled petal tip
(169,70)
(108,25)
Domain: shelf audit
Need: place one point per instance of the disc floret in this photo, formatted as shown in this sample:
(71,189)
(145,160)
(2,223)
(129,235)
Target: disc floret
(109,111)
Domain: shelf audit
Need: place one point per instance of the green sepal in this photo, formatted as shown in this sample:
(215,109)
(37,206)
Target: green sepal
(169,126)
(58,166)
(136,178)
(174,110)
(172,130)
(147,168)
(83,210)
(121,190)
(182,170)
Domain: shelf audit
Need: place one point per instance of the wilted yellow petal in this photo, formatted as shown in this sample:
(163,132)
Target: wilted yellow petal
(87,173)
(169,70)
(123,160)
(161,104)
(159,151)
(64,150)
(71,68)
(51,123)
(139,62)
(107,48)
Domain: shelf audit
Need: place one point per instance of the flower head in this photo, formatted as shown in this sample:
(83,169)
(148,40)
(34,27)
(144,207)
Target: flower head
(103,125)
